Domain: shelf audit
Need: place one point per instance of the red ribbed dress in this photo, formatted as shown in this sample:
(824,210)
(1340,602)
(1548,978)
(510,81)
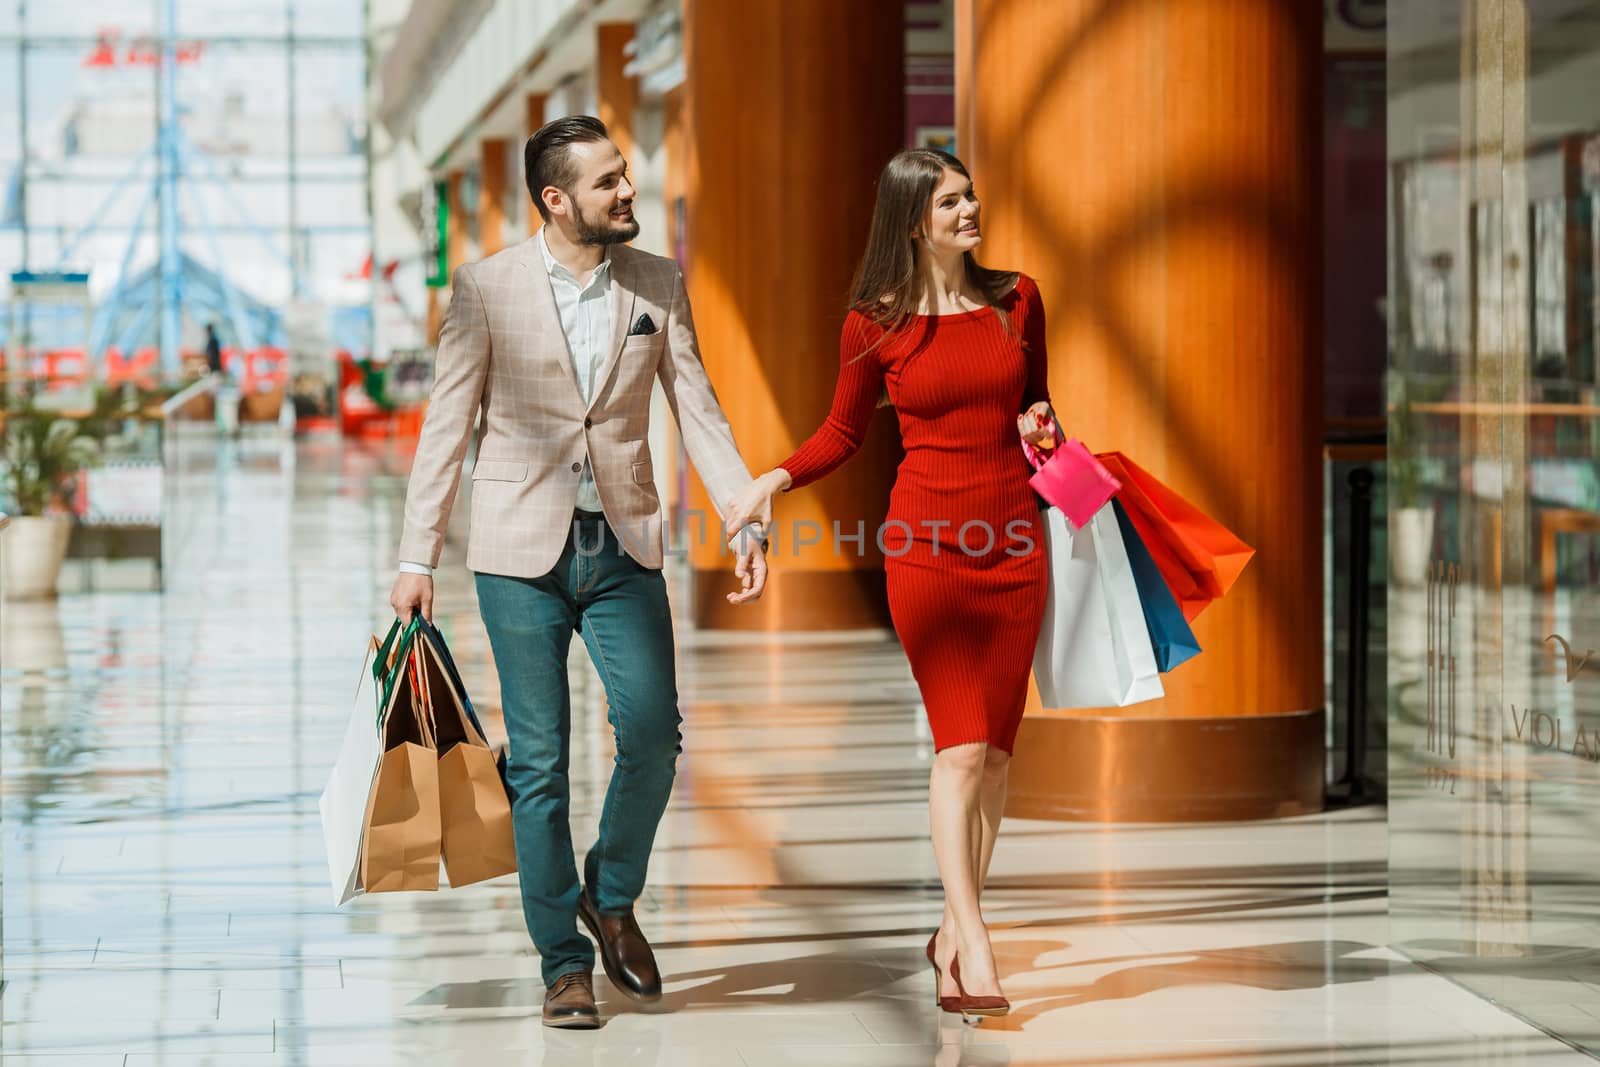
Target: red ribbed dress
(968,617)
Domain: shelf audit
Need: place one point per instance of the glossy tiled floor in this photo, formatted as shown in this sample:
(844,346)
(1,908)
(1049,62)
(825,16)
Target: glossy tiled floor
(165,900)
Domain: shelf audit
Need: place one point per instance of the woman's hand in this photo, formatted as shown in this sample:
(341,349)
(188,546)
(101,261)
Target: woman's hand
(1037,426)
(754,504)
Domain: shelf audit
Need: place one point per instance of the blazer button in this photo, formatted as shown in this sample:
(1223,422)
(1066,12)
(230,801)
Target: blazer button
(576,467)
(587,423)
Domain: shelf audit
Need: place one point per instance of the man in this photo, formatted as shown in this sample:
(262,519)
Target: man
(560,339)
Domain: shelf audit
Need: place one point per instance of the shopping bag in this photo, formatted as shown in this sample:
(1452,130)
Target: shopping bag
(474,808)
(1174,642)
(1069,478)
(459,687)
(1199,558)
(1093,649)
(343,804)
(400,849)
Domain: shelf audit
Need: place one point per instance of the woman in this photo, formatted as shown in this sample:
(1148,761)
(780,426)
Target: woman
(960,351)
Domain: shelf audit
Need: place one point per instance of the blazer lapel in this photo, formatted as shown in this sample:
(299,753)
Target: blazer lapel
(621,304)
(546,318)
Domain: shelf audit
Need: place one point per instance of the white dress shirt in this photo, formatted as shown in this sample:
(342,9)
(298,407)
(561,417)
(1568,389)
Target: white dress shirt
(585,312)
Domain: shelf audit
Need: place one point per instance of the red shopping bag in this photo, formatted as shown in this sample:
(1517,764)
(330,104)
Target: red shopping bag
(1198,556)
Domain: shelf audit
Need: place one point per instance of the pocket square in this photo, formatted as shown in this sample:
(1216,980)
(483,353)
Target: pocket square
(642,327)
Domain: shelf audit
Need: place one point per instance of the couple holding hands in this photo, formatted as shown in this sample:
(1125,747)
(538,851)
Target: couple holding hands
(559,341)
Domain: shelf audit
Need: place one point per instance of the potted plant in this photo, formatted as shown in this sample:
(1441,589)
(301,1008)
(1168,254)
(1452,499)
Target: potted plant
(44,453)
(1410,521)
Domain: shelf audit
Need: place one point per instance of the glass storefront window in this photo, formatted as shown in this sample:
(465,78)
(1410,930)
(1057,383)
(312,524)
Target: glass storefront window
(1494,167)
(271,167)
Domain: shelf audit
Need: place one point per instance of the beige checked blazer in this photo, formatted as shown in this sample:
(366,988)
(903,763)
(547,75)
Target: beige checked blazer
(501,347)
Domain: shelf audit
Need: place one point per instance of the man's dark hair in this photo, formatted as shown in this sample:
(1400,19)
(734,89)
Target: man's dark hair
(547,157)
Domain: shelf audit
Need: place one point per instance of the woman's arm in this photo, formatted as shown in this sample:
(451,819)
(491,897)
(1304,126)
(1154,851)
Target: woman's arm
(855,397)
(1033,345)
(1037,423)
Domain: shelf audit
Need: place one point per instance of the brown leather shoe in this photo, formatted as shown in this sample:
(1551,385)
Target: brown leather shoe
(569,1003)
(624,952)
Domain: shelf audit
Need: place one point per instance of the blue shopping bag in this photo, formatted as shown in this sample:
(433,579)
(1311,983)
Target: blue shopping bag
(1170,635)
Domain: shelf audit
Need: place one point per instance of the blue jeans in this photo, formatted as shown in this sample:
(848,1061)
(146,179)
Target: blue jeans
(621,610)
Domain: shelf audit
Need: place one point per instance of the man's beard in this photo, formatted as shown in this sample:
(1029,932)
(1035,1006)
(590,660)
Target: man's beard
(607,233)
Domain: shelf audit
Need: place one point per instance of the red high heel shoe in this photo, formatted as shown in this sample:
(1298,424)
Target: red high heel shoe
(990,1007)
(949,1004)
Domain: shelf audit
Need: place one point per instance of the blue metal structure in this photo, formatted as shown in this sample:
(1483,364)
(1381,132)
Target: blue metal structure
(167,183)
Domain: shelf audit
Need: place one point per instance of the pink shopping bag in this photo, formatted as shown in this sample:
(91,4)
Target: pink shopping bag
(1071,479)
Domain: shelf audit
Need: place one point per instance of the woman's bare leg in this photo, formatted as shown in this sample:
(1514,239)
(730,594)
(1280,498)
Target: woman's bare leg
(960,826)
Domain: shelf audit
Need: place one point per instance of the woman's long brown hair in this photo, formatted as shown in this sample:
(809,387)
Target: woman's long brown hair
(887,287)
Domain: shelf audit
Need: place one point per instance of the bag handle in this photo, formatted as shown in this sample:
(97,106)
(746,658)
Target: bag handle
(403,631)
(422,703)
(366,664)
(419,685)
(390,663)
(442,650)
(458,709)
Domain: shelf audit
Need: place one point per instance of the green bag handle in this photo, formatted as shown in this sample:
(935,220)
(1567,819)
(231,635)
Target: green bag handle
(383,650)
(387,678)
(403,630)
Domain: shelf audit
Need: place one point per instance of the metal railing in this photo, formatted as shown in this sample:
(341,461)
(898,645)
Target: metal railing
(1355,470)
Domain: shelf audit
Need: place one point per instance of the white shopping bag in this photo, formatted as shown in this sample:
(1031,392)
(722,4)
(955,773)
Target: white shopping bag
(1094,650)
(344,801)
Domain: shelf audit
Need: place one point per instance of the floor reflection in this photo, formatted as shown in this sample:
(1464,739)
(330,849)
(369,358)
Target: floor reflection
(165,898)
(1492,845)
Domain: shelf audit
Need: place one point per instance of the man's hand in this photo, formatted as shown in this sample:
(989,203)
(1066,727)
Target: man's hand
(412,593)
(751,568)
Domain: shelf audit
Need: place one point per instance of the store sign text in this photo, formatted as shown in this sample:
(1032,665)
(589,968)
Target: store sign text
(109,52)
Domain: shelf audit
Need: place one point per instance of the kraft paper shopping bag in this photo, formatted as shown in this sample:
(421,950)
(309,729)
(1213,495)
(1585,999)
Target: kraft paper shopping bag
(400,849)
(474,808)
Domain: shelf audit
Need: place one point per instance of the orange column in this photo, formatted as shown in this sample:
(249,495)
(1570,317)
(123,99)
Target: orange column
(534,105)
(435,316)
(1155,168)
(492,196)
(455,248)
(790,112)
(674,147)
(616,92)
(673,155)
